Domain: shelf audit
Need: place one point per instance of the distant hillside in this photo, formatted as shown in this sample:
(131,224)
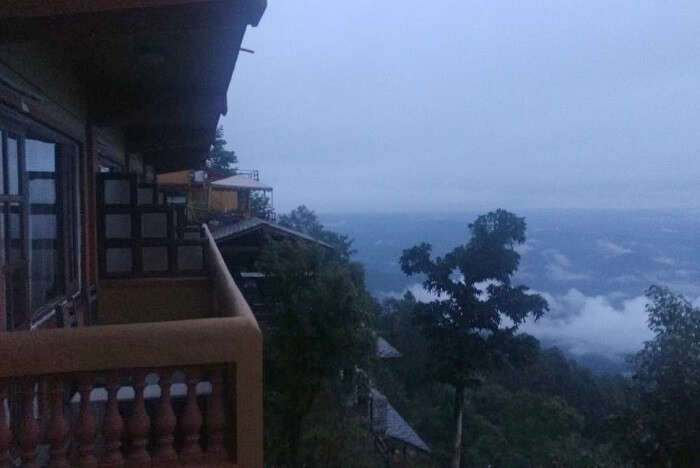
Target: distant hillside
(593,266)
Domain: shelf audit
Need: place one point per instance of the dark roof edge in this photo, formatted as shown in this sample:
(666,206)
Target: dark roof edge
(257,8)
(253,223)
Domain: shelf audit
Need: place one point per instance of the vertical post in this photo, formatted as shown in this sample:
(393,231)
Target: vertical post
(139,424)
(86,426)
(165,424)
(29,428)
(216,418)
(58,427)
(191,421)
(5,433)
(247,398)
(113,425)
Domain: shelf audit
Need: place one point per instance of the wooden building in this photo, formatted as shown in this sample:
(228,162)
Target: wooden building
(205,197)
(240,245)
(104,286)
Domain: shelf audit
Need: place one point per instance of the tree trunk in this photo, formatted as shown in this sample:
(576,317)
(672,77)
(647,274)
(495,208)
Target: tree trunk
(458,415)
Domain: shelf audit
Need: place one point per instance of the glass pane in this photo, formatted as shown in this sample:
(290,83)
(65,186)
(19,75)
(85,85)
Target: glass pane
(14,221)
(46,280)
(190,257)
(13,166)
(42,191)
(2,164)
(155,258)
(17,297)
(118,260)
(40,156)
(154,225)
(43,226)
(192,234)
(3,258)
(145,196)
(118,226)
(71,213)
(117,192)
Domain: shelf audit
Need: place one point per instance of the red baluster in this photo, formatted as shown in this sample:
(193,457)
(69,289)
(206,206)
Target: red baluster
(29,428)
(58,427)
(216,418)
(191,422)
(44,407)
(139,424)
(86,425)
(165,425)
(5,433)
(113,425)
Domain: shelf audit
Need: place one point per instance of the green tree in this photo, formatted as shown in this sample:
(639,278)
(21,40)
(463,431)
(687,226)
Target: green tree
(261,205)
(305,220)
(320,329)
(221,160)
(667,380)
(465,326)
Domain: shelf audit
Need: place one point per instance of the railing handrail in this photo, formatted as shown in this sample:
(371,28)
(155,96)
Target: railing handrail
(154,344)
(232,339)
(233,302)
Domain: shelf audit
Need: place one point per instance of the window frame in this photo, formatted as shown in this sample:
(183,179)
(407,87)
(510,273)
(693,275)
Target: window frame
(68,183)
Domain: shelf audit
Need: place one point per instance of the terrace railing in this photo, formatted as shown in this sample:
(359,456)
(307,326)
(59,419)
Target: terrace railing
(173,393)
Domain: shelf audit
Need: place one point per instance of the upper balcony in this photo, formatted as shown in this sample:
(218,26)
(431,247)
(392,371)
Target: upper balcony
(170,375)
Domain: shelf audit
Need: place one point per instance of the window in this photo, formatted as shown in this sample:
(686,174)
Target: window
(39,205)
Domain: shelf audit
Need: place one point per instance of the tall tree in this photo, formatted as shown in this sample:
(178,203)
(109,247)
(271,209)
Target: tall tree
(465,327)
(305,220)
(667,380)
(320,328)
(221,160)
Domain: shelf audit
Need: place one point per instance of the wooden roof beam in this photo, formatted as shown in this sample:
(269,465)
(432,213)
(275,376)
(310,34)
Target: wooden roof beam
(179,16)
(184,111)
(44,8)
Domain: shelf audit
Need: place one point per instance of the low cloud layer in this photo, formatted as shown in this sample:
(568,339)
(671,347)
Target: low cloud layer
(611,248)
(592,324)
(582,324)
(559,268)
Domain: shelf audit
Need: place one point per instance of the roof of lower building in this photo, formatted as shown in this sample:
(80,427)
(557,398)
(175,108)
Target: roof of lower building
(240,181)
(385,350)
(232,231)
(398,428)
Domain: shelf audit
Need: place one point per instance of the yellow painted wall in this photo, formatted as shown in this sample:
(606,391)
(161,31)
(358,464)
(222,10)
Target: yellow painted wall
(175,178)
(223,200)
(154,300)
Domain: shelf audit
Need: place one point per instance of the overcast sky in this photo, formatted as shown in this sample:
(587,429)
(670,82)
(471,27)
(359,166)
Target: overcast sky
(366,105)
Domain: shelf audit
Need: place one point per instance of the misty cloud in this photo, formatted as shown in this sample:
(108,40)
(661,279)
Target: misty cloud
(582,324)
(559,267)
(664,260)
(611,248)
(591,324)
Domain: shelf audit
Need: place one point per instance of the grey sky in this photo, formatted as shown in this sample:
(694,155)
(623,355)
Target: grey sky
(369,105)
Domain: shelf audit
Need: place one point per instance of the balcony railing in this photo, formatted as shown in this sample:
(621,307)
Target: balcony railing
(184,392)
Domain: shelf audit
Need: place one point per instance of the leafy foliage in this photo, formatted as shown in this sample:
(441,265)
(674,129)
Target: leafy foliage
(221,160)
(304,220)
(548,412)
(260,205)
(320,328)
(464,327)
(667,381)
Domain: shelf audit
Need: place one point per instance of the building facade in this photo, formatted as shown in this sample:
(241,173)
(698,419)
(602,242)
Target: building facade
(108,296)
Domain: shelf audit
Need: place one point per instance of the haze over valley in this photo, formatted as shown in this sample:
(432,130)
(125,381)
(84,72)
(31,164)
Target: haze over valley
(593,268)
